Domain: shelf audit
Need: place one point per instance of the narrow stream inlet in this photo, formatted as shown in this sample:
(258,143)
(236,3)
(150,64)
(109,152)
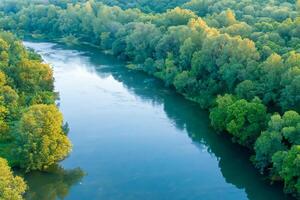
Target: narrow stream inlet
(135,139)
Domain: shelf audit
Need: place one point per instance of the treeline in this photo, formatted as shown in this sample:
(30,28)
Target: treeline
(31,126)
(239,59)
(148,6)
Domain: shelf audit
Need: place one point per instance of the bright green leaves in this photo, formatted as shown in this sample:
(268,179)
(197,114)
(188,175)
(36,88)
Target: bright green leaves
(4,111)
(42,141)
(278,148)
(11,187)
(281,134)
(242,119)
(33,76)
(31,126)
(286,164)
(218,114)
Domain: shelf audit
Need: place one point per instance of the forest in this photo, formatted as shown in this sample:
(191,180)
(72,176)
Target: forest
(32,133)
(238,59)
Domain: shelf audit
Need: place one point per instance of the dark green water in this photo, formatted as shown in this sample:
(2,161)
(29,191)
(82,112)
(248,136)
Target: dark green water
(134,139)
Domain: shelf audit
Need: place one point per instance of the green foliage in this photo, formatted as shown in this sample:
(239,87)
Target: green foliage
(42,141)
(145,5)
(242,119)
(287,166)
(278,148)
(246,90)
(266,146)
(282,133)
(236,54)
(33,76)
(31,127)
(11,187)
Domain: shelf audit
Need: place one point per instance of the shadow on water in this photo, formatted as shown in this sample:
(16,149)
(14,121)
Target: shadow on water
(233,160)
(53,184)
(186,115)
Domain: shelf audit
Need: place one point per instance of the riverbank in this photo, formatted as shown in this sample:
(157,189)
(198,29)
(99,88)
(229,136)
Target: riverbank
(131,132)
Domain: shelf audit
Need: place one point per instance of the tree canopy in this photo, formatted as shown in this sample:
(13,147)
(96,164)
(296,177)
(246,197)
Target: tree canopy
(41,142)
(31,126)
(11,187)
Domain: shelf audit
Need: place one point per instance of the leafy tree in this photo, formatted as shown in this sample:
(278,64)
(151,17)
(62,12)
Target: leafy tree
(185,83)
(287,166)
(170,70)
(4,127)
(281,134)
(42,141)
(246,90)
(175,17)
(11,187)
(266,146)
(272,69)
(290,95)
(142,41)
(33,76)
(219,113)
(242,119)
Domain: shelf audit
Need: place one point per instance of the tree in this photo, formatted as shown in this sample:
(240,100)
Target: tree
(218,113)
(186,52)
(171,41)
(4,127)
(281,134)
(142,41)
(42,141)
(290,98)
(33,76)
(287,166)
(185,83)
(266,146)
(272,70)
(11,187)
(149,66)
(175,17)
(242,119)
(230,17)
(240,29)
(245,120)
(246,90)
(170,70)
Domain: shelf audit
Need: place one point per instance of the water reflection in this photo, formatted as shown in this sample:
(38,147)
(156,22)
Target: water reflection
(54,184)
(233,160)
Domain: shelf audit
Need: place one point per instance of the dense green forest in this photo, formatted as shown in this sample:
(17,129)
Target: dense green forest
(31,126)
(239,59)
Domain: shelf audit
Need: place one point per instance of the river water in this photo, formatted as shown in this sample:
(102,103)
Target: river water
(135,139)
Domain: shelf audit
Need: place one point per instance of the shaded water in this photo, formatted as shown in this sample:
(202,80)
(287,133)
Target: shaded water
(135,139)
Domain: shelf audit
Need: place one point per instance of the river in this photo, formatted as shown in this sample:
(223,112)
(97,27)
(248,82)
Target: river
(134,139)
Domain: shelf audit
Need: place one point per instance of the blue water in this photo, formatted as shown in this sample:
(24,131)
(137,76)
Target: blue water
(135,139)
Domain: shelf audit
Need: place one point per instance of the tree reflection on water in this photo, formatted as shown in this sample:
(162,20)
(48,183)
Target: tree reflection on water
(53,184)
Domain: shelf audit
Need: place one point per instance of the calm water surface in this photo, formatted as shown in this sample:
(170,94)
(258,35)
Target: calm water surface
(134,139)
